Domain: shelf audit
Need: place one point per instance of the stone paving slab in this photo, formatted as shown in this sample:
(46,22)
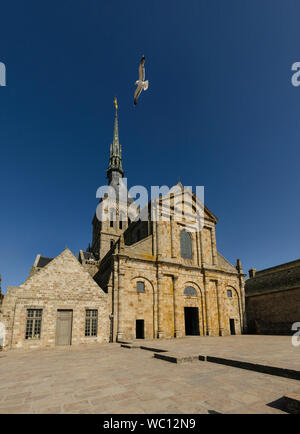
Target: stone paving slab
(104,378)
(274,351)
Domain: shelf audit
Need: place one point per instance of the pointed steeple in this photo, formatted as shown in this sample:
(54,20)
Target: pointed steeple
(115,159)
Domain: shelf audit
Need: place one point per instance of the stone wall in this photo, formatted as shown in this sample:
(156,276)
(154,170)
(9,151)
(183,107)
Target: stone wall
(273,313)
(166,275)
(273,299)
(162,305)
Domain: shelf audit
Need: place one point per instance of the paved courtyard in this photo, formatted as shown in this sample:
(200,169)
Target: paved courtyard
(269,350)
(109,379)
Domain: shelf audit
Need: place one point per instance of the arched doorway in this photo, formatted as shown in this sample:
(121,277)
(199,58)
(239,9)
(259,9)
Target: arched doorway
(191,314)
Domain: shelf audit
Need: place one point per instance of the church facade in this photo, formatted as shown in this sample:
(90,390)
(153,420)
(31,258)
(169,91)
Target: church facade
(138,279)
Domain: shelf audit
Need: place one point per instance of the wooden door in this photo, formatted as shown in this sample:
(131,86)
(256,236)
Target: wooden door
(64,327)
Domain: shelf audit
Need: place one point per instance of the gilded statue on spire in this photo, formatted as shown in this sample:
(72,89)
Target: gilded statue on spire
(116,103)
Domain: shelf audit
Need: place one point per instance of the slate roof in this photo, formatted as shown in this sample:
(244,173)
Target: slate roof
(43,261)
(225,265)
(89,256)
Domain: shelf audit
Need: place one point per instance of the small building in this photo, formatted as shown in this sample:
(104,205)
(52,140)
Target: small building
(273,299)
(59,304)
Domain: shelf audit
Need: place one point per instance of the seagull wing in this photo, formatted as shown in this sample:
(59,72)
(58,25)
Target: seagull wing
(137,94)
(142,69)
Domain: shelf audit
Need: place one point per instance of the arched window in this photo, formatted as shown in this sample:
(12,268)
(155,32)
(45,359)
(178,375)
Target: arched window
(189,290)
(112,243)
(229,293)
(121,220)
(140,286)
(185,244)
(112,217)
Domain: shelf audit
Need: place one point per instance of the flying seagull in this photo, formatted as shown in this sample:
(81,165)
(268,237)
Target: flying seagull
(141,83)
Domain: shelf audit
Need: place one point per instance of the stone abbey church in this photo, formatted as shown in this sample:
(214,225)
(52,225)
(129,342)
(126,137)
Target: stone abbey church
(137,280)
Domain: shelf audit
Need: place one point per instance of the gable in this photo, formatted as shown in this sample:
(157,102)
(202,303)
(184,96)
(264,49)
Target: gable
(63,277)
(192,202)
(225,265)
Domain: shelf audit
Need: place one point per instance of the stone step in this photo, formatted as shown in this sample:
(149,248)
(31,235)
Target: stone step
(155,350)
(265,369)
(176,357)
(131,346)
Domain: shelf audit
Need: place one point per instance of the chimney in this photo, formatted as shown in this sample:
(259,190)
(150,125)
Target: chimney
(252,272)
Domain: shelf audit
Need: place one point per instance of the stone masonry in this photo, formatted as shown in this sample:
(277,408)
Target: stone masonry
(273,299)
(63,284)
(156,261)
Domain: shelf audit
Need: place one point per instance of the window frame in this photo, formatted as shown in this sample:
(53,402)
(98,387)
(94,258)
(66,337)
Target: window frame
(186,247)
(229,293)
(36,324)
(91,323)
(139,291)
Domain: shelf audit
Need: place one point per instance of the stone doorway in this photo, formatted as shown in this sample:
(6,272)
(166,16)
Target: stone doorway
(64,327)
(232,326)
(139,329)
(191,319)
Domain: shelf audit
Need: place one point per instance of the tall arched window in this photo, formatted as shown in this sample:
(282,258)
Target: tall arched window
(121,220)
(112,217)
(185,244)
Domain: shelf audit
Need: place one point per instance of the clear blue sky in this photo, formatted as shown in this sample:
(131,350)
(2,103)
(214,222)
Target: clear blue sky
(220,111)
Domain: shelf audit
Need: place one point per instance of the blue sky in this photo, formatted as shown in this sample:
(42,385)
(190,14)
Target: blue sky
(220,111)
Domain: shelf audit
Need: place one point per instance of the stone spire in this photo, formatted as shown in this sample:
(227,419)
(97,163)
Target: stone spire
(115,169)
